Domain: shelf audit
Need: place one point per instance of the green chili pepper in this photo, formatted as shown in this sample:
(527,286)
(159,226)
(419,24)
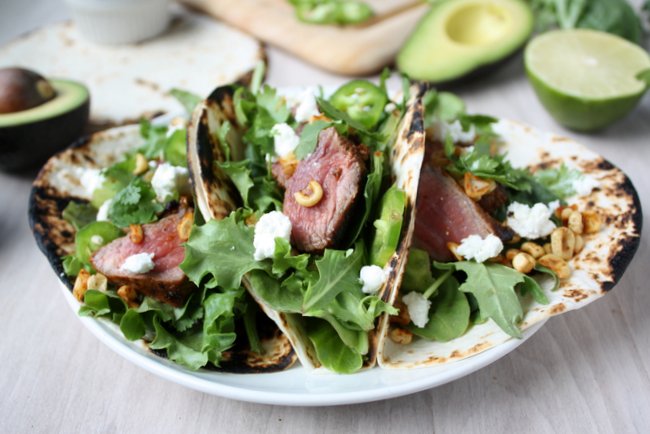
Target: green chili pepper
(332,11)
(93,236)
(388,226)
(361,100)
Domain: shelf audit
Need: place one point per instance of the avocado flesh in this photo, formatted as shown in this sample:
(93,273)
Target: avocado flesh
(29,137)
(457,37)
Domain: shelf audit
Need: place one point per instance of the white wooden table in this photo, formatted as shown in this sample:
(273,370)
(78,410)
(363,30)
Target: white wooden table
(587,371)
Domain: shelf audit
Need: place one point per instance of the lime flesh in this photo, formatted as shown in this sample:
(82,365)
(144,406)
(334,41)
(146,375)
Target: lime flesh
(584,78)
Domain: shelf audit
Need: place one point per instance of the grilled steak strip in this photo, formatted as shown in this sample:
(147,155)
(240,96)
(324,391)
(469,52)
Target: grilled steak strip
(446,214)
(166,282)
(338,166)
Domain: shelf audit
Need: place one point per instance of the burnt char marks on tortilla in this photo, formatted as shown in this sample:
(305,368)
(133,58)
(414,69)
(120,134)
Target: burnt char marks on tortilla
(166,282)
(446,214)
(339,167)
(54,236)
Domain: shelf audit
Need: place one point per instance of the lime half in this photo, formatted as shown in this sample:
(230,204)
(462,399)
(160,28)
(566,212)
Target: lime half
(584,78)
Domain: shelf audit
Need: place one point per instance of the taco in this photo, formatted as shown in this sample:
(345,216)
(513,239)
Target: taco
(308,201)
(111,214)
(513,226)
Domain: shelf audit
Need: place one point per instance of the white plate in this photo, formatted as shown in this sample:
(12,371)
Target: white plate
(296,386)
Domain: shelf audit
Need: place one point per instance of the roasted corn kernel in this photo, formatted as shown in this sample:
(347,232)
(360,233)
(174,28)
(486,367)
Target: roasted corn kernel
(558,265)
(592,222)
(401,336)
(563,243)
(184,228)
(523,262)
(81,285)
(575,222)
(141,164)
(136,234)
(311,195)
(533,249)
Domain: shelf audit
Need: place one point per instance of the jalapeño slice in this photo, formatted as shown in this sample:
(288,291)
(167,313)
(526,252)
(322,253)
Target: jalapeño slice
(362,101)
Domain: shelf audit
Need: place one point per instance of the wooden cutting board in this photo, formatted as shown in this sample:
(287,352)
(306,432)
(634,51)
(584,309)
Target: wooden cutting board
(350,50)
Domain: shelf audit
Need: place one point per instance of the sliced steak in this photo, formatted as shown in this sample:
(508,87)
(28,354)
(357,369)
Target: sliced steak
(494,200)
(338,166)
(446,214)
(166,282)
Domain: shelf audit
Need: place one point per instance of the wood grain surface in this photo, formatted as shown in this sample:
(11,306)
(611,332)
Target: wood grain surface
(584,372)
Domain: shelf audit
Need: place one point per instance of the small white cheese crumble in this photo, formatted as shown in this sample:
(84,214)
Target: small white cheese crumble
(532,223)
(269,227)
(168,179)
(372,277)
(139,263)
(306,107)
(285,139)
(455,132)
(390,107)
(97,240)
(102,212)
(91,180)
(418,308)
(584,185)
(480,249)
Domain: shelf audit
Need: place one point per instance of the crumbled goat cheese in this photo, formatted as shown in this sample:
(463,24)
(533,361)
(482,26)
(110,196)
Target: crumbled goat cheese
(285,139)
(418,308)
(390,107)
(97,240)
(269,227)
(480,249)
(532,223)
(102,212)
(455,132)
(372,277)
(306,107)
(139,263)
(168,179)
(584,185)
(92,179)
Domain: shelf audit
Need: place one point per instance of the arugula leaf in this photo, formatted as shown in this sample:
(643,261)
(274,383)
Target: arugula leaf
(285,296)
(283,259)
(79,214)
(132,325)
(239,174)
(71,265)
(493,285)
(223,251)
(530,285)
(338,271)
(187,99)
(417,276)
(135,204)
(250,326)
(356,310)
(330,348)
(309,138)
(559,181)
(551,274)
(449,314)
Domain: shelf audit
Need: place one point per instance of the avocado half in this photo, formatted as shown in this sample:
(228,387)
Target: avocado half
(29,137)
(457,37)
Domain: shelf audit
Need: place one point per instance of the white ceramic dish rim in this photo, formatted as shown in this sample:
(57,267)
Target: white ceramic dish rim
(274,388)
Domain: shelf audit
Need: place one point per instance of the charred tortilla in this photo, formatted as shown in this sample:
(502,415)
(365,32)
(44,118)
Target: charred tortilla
(58,183)
(596,269)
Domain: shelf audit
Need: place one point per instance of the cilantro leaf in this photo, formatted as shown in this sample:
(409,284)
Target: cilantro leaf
(135,204)
(559,181)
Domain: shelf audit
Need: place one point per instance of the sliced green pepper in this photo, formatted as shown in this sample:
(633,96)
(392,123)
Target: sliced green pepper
(362,101)
(388,226)
(332,11)
(93,236)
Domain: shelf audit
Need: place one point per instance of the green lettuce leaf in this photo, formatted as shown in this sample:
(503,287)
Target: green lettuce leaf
(331,350)
(493,286)
(449,315)
(79,214)
(221,250)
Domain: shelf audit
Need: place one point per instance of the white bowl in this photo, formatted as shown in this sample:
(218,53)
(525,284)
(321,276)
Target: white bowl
(119,21)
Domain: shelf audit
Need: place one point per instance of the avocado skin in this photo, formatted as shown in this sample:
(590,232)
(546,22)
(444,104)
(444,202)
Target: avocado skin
(468,65)
(29,145)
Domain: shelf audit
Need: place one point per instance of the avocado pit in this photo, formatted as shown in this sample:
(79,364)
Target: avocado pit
(22,89)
